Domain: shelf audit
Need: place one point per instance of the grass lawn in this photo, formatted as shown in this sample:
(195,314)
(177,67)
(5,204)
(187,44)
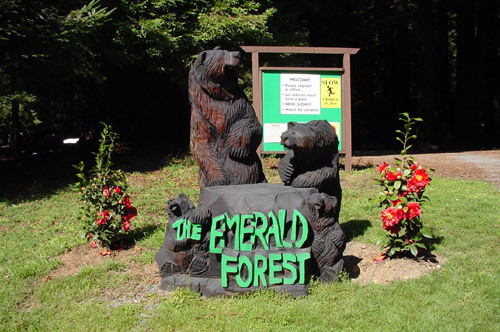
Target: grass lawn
(38,225)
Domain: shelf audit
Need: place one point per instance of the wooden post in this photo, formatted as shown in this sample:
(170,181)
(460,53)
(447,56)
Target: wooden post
(257,91)
(346,97)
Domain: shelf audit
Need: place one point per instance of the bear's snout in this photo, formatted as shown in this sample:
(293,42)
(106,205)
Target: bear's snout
(234,58)
(285,140)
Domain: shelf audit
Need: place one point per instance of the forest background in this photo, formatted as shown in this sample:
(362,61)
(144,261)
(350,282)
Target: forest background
(66,65)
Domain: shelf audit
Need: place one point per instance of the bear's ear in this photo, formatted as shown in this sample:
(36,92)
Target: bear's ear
(202,57)
(291,124)
(217,48)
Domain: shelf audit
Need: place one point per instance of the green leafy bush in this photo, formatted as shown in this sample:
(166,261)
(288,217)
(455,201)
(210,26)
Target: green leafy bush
(106,209)
(402,194)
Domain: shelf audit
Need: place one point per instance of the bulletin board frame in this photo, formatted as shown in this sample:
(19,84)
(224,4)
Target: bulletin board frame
(270,106)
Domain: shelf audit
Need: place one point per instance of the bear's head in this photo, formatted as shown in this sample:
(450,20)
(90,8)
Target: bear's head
(216,65)
(178,207)
(313,137)
(321,209)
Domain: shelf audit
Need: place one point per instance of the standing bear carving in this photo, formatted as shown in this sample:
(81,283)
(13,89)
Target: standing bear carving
(312,159)
(225,131)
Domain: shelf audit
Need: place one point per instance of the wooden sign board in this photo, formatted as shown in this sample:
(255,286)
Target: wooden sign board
(283,94)
(300,96)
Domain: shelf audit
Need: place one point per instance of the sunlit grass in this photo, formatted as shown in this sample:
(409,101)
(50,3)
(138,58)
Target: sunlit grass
(462,296)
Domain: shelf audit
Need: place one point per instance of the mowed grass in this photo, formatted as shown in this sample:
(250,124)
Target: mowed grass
(464,295)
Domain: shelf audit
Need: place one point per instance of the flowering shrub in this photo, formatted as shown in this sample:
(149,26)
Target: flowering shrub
(106,211)
(403,186)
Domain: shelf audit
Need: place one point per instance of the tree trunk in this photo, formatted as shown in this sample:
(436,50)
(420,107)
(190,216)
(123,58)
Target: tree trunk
(466,115)
(488,70)
(444,101)
(15,126)
(426,82)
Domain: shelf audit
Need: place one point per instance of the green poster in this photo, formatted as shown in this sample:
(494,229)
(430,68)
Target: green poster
(300,97)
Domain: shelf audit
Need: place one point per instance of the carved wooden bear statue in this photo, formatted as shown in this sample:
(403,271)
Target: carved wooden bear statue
(312,160)
(225,132)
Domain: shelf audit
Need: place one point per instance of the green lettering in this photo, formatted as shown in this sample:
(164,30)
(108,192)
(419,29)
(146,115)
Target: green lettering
(244,260)
(273,280)
(180,230)
(215,234)
(281,220)
(305,229)
(301,259)
(259,232)
(196,235)
(260,271)
(287,257)
(187,229)
(244,246)
(225,268)
(274,230)
(234,222)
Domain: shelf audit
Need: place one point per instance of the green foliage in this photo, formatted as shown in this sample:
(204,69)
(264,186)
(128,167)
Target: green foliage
(28,115)
(167,34)
(106,210)
(234,21)
(402,194)
(64,53)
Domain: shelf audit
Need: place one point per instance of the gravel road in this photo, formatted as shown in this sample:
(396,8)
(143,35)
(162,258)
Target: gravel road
(483,165)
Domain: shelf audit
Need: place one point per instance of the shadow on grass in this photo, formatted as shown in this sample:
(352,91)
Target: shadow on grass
(361,167)
(31,177)
(354,228)
(433,242)
(137,234)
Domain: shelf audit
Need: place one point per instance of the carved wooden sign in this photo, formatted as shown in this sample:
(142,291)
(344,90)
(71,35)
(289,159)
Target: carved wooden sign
(242,238)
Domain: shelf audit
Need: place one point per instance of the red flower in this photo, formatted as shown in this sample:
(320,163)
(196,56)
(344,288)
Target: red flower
(128,204)
(117,190)
(413,210)
(105,215)
(396,202)
(382,167)
(392,176)
(106,191)
(126,225)
(391,216)
(93,244)
(130,214)
(414,166)
(418,181)
(393,229)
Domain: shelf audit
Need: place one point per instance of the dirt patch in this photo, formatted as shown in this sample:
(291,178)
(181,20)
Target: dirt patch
(358,261)
(75,259)
(144,278)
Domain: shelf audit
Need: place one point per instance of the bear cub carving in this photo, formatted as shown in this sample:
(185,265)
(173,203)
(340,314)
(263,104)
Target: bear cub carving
(329,239)
(225,131)
(312,159)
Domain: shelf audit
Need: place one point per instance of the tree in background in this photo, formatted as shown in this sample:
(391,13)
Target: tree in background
(45,49)
(68,64)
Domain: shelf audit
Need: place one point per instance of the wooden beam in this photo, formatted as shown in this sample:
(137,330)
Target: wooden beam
(299,49)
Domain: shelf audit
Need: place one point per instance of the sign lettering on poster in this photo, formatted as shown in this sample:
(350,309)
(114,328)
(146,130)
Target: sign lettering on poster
(300,93)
